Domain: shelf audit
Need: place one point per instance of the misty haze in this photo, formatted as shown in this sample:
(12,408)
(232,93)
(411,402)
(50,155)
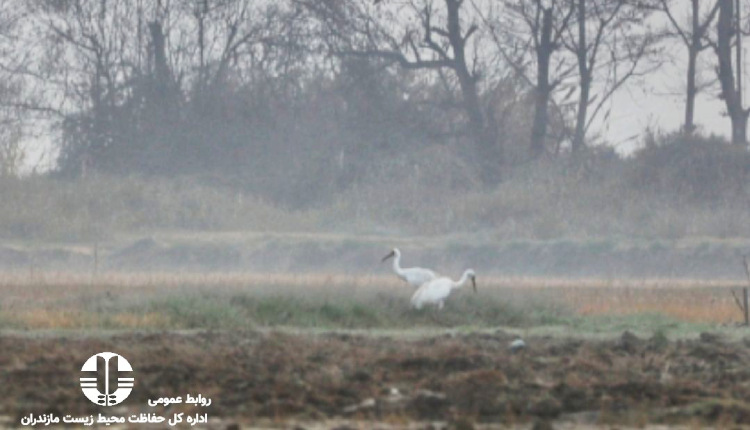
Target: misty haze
(379,213)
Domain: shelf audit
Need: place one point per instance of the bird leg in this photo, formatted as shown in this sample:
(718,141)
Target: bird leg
(434,315)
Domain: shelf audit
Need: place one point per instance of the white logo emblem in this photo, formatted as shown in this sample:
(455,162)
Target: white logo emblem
(109,397)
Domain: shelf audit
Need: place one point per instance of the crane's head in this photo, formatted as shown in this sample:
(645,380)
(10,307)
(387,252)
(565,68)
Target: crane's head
(470,273)
(394,253)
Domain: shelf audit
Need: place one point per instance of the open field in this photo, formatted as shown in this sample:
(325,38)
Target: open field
(339,351)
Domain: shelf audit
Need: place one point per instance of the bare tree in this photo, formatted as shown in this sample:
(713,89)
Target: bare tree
(545,24)
(226,31)
(14,117)
(435,37)
(610,44)
(731,91)
(694,39)
(95,60)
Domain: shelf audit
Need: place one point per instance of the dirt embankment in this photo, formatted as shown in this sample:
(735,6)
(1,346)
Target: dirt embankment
(467,378)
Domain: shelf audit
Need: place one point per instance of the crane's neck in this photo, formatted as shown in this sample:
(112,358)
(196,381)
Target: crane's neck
(460,283)
(397,264)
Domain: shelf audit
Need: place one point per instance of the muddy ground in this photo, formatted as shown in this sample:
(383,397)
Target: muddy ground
(463,380)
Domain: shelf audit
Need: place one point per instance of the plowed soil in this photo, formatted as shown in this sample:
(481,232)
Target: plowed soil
(467,380)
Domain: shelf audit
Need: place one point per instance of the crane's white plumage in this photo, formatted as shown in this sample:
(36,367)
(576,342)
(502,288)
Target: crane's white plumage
(436,291)
(415,276)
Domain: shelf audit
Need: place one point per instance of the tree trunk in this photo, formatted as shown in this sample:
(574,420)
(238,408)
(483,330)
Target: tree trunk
(694,42)
(465,79)
(161,69)
(542,93)
(693,50)
(691,91)
(471,102)
(739,129)
(585,80)
(729,91)
(482,134)
(201,17)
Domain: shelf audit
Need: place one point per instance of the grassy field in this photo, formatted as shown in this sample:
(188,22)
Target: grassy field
(156,301)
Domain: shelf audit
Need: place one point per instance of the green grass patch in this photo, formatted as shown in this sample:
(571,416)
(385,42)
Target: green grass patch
(377,312)
(199,311)
(646,324)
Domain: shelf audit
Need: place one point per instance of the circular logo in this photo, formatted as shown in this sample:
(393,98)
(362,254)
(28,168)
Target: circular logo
(110,372)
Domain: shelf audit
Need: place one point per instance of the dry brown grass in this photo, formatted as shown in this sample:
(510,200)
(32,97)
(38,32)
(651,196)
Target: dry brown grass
(692,305)
(51,318)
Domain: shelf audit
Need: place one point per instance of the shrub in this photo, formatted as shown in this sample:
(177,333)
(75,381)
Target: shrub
(692,167)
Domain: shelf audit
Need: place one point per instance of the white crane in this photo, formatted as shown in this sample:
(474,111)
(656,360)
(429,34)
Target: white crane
(415,276)
(437,290)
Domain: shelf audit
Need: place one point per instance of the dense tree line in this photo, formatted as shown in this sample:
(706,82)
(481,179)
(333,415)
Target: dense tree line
(297,99)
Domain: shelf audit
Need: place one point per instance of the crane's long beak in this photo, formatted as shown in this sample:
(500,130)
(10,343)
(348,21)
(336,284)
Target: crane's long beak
(474,283)
(391,254)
